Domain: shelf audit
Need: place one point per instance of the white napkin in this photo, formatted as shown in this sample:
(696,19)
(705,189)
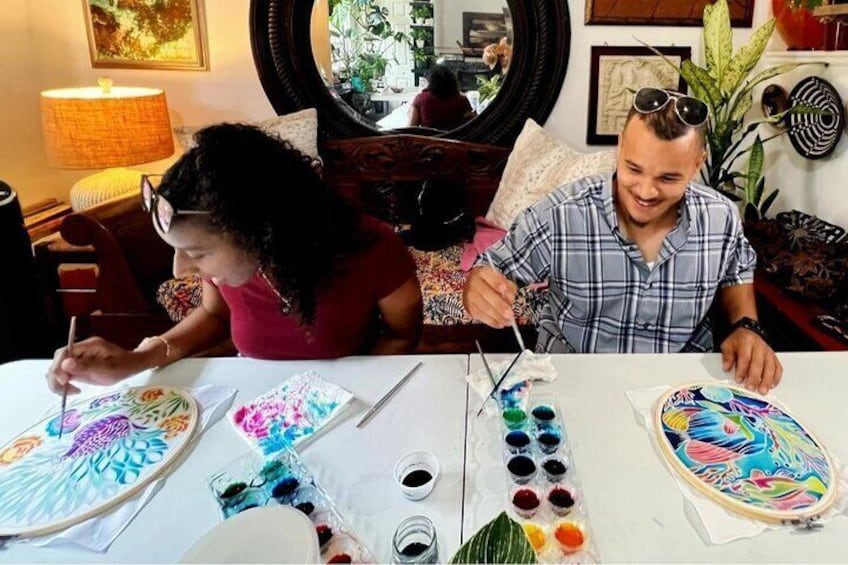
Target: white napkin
(529,367)
(98,533)
(714,523)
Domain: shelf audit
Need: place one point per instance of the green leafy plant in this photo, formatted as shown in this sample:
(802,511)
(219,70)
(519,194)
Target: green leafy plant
(755,207)
(421,34)
(421,13)
(500,541)
(423,60)
(361,38)
(726,85)
(488,88)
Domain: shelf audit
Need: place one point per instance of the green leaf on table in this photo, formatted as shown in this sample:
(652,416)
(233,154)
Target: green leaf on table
(500,541)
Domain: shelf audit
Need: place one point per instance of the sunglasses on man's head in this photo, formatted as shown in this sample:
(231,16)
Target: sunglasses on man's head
(689,110)
(162,210)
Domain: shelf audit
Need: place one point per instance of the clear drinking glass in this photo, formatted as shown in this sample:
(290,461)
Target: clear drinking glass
(415,541)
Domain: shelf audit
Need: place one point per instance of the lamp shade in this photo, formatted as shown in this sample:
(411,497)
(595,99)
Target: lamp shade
(87,128)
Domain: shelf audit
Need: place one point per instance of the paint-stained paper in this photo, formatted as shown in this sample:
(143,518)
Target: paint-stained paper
(289,414)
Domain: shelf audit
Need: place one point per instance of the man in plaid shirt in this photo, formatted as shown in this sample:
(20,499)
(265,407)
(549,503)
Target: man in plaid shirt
(635,259)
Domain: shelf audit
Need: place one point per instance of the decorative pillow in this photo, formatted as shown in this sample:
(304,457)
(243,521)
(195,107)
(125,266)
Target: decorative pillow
(299,128)
(538,164)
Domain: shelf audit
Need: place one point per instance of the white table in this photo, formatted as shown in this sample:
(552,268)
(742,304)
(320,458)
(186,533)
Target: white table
(354,466)
(635,509)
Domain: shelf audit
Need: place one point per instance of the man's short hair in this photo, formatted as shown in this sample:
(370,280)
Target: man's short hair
(666,125)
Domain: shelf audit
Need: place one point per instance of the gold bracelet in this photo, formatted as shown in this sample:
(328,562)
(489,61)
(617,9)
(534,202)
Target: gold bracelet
(157,338)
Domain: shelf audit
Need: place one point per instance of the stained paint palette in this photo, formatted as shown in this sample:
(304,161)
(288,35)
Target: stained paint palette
(251,481)
(290,414)
(543,492)
(112,446)
(745,452)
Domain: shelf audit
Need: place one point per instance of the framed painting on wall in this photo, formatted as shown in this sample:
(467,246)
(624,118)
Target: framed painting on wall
(146,34)
(616,73)
(662,12)
(480,29)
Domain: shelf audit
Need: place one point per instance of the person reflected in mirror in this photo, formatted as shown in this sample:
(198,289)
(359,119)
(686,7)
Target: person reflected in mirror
(635,259)
(441,105)
(289,269)
(498,57)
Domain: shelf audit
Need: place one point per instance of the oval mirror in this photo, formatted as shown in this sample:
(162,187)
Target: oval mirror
(473,71)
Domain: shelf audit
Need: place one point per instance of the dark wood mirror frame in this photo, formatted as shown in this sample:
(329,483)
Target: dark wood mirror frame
(282,52)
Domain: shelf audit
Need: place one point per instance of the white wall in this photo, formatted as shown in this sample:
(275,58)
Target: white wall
(45,46)
(54,54)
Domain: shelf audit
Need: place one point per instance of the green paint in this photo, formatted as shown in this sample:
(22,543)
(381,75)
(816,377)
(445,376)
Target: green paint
(514,417)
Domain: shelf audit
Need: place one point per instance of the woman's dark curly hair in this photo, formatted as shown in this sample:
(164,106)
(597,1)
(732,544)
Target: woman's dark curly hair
(442,83)
(271,200)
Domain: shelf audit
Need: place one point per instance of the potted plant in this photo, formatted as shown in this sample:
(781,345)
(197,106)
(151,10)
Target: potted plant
(361,37)
(423,60)
(422,37)
(726,85)
(422,14)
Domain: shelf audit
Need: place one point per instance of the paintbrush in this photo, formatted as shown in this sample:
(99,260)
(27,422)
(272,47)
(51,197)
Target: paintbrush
(517,333)
(72,334)
(498,384)
(376,408)
(485,363)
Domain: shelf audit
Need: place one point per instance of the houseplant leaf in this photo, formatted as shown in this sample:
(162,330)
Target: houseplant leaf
(500,541)
(746,58)
(768,202)
(741,106)
(702,84)
(755,169)
(718,39)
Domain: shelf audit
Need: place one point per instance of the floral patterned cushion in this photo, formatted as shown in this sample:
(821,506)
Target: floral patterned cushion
(441,286)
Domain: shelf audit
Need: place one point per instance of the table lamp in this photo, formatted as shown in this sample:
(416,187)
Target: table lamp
(105,126)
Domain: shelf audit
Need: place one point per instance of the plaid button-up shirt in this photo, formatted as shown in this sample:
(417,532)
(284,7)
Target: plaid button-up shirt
(603,296)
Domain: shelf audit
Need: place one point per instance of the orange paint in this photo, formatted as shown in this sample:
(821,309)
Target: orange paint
(570,536)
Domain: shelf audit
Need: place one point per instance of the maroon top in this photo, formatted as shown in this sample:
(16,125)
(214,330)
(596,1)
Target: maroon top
(346,312)
(439,113)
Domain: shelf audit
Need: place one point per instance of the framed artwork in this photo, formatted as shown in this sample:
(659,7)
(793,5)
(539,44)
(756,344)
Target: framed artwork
(146,34)
(745,452)
(616,73)
(662,12)
(111,447)
(480,29)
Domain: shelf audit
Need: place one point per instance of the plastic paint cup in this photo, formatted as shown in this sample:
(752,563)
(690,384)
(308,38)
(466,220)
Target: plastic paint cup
(525,501)
(562,499)
(536,536)
(244,499)
(549,440)
(517,442)
(416,474)
(522,469)
(543,414)
(554,468)
(514,418)
(570,535)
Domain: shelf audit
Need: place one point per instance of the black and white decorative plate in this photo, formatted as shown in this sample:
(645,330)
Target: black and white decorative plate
(815,136)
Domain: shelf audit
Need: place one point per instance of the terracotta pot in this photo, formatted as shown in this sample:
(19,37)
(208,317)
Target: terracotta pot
(797,26)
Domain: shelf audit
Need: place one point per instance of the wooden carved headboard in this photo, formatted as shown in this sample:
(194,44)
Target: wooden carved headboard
(395,165)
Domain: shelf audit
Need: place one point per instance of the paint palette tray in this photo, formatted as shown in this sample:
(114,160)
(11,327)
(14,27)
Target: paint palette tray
(251,481)
(543,491)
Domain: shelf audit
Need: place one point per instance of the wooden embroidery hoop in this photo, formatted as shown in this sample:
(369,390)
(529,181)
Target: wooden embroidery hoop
(162,467)
(790,517)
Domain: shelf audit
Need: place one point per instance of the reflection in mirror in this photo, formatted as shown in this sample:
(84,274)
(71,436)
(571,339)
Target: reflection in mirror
(412,63)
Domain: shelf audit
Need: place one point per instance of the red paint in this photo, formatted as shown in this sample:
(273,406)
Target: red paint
(525,499)
(341,558)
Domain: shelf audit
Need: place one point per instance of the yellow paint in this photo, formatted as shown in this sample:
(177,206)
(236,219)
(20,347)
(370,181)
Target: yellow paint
(536,536)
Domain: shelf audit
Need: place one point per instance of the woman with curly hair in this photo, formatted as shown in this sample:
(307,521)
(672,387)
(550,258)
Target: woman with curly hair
(290,270)
(440,105)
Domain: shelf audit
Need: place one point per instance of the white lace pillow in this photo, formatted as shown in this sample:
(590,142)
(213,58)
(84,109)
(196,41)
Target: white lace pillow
(299,128)
(538,164)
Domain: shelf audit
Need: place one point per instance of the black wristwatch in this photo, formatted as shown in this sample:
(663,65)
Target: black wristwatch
(748,324)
